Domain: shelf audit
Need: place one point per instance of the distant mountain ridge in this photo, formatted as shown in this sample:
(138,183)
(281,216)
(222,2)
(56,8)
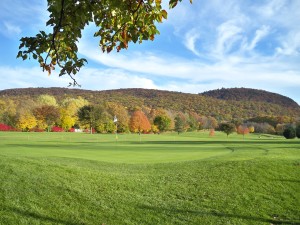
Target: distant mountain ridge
(224,104)
(248,94)
(235,94)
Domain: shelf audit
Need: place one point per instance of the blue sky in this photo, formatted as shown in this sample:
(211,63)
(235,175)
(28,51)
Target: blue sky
(203,46)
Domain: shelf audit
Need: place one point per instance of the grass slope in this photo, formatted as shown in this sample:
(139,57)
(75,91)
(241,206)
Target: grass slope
(64,178)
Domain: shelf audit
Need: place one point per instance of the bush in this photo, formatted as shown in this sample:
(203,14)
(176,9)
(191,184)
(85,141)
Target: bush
(4,127)
(57,129)
(280,128)
(289,133)
(298,131)
(71,129)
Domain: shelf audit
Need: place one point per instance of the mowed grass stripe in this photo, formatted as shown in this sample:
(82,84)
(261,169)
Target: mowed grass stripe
(94,179)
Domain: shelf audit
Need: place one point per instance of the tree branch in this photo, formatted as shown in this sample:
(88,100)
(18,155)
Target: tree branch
(55,32)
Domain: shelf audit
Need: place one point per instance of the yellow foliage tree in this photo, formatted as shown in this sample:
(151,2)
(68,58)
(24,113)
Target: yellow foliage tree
(154,129)
(41,124)
(67,120)
(47,100)
(251,129)
(73,104)
(121,113)
(26,121)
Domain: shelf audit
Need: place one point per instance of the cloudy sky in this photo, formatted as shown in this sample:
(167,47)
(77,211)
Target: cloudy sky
(203,46)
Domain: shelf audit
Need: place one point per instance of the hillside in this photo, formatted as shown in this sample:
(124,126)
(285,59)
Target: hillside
(252,104)
(247,94)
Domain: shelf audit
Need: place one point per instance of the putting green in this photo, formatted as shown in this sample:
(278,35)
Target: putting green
(126,149)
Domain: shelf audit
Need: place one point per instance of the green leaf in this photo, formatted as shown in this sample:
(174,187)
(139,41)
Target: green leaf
(172,3)
(19,54)
(164,14)
(24,57)
(22,44)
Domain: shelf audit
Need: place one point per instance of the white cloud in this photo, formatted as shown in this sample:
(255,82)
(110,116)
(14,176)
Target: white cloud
(272,8)
(232,70)
(24,16)
(105,79)
(23,10)
(10,30)
(146,62)
(20,77)
(259,35)
(190,41)
(237,27)
(88,78)
(228,33)
(290,45)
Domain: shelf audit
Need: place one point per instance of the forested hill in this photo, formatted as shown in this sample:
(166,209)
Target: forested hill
(201,104)
(247,94)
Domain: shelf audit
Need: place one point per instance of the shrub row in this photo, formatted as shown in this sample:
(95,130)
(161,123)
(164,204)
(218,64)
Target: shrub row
(291,132)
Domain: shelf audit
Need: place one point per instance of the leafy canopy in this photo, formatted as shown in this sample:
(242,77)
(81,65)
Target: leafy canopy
(119,22)
(180,123)
(289,133)
(162,122)
(139,122)
(227,128)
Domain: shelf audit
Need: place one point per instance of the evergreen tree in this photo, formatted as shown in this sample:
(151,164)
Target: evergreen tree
(289,133)
(227,128)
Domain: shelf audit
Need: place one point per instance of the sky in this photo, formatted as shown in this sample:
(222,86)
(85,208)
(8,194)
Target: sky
(202,46)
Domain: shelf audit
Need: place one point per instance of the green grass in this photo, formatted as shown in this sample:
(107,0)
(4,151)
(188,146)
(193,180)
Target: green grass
(67,178)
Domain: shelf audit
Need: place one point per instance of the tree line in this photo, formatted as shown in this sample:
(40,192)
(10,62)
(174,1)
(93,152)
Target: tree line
(45,113)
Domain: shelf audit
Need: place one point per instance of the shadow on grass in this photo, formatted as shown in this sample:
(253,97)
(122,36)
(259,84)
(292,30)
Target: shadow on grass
(34,145)
(42,219)
(274,142)
(220,214)
(287,180)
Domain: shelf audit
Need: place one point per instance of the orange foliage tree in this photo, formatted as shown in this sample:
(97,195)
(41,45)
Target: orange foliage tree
(139,122)
(242,129)
(211,132)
